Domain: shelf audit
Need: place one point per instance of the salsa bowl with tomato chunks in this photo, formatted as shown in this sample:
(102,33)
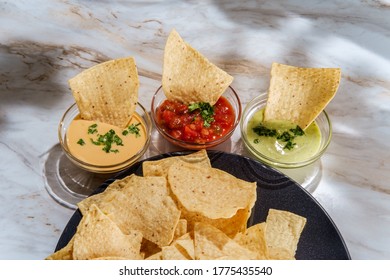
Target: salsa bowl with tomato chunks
(196,125)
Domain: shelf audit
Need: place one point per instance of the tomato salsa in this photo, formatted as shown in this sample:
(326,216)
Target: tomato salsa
(197,124)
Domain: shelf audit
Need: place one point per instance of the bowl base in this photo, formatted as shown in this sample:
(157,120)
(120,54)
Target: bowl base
(308,176)
(67,183)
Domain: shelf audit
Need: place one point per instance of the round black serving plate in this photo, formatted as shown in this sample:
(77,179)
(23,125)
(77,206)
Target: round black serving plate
(320,239)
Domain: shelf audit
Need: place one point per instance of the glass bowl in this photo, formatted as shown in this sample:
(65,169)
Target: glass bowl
(230,94)
(73,112)
(258,103)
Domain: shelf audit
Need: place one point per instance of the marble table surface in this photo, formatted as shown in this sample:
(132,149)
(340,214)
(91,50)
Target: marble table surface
(44,43)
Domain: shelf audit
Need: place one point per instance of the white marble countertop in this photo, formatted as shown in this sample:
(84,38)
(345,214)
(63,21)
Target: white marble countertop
(44,43)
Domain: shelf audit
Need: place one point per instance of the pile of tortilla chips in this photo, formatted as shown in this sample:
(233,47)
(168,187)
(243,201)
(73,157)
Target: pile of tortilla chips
(107,92)
(299,94)
(180,209)
(188,76)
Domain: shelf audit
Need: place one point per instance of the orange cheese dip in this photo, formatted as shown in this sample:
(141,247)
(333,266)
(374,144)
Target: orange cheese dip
(87,141)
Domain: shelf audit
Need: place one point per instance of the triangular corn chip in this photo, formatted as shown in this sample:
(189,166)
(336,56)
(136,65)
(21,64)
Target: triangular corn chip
(190,77)
(299,94)
(107,92)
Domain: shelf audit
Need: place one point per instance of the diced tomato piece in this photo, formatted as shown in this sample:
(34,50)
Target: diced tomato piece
(189,131)
(182,109)
(167,116)
(176,133)
(175,123)
(205,132)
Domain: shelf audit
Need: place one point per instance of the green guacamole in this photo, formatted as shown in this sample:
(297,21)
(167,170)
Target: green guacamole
(300,147)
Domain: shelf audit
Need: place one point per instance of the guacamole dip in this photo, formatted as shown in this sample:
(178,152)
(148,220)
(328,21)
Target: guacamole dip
(281,140)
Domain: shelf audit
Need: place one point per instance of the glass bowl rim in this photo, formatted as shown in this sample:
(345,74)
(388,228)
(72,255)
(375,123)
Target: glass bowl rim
(197,145)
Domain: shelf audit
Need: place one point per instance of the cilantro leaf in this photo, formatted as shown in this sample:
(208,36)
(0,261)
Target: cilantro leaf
(133,129)
(81,142)
(206,112)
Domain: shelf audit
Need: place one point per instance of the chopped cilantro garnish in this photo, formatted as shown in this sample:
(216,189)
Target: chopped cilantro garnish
(107,140)
(285,136)
(92,129)
(133,129)
(118,140)
(261,130)
(290,145)
(206,112)
(97,143)
(298,131)
(81,142)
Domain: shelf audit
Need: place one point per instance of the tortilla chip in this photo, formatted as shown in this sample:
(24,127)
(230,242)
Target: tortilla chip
(144,204)
(180,249)
(254,239)
(107,92)
(160,167)
(148,248)
(98,236)
(156,256)
(174,252)
(65,253)
(299,95)
(186,243)
(213,244)
(282,232)
(230,226)
(188,76)
(196,187)
(115,186)
(109,258)
(181,228)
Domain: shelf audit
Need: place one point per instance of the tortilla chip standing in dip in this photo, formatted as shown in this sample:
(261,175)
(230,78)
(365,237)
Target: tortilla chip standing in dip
(188,76)
(107,131)
(299,94)
(195,110)
(286,130)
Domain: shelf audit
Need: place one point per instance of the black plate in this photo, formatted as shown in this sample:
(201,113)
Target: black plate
(320,238)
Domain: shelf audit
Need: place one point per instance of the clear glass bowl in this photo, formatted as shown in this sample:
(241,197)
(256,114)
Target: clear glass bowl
(72,112)
(230,94)
(259,103)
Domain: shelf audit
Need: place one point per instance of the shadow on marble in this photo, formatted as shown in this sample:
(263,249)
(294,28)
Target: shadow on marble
(35,74)
(329,20)
(29,76)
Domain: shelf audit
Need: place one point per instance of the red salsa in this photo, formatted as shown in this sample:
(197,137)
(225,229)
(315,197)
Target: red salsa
(184,123)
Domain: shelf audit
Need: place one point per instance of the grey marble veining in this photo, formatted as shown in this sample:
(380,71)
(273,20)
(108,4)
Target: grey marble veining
(44,43)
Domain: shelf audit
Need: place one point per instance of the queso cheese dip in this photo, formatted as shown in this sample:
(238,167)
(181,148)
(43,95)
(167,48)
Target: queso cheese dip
(282,140)
(102,144)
